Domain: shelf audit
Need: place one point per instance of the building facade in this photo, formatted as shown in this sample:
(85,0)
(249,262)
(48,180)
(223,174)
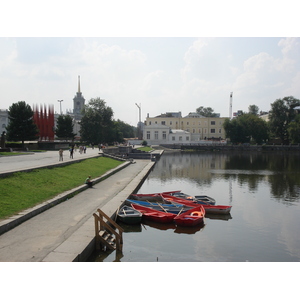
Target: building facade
(3,120)
(171,128)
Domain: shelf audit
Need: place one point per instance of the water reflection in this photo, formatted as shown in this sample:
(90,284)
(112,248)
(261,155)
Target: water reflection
(279,171)
(263,190)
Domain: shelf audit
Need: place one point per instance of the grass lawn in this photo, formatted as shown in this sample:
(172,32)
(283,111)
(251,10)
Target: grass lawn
(146,149)
(24,190)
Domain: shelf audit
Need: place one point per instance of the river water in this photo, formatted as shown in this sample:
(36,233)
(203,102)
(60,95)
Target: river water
(263,190)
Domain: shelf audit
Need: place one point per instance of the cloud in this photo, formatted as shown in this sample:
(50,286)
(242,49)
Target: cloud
(163,74)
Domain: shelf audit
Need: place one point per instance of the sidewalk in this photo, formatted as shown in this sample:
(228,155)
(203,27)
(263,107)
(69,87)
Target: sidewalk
(65,232)
(30,160)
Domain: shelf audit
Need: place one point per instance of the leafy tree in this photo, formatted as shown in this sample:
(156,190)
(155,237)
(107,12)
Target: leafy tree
(126,130)
(294,130)
(281,114)
(64,127)
(258,128)
(206,112)
(120,130)
(236,131)
(253,109)
(21,126)
(246,128)
(96,123)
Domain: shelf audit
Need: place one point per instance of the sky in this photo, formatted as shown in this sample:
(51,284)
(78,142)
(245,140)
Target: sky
(163,68)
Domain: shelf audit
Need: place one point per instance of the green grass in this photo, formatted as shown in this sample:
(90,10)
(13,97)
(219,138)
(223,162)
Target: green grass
(24,190)
(146,149)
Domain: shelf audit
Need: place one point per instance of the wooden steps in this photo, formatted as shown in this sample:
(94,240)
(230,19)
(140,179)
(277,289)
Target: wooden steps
(107,232)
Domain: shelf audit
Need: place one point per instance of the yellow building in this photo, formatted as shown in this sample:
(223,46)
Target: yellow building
(173,128)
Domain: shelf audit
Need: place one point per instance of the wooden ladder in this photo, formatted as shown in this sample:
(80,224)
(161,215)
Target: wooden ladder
(107,232)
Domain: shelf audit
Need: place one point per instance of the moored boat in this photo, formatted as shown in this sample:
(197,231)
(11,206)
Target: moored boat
(129,215)
(209,209)
(154,215)
(150,197)
(174,208)
(192,217)
(201,199)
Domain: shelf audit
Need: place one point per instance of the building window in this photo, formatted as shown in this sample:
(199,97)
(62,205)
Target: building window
(173,138)
(156,135)
(149,122)
(212,130)
(212,122)
(148,135)
(220,130)
(187,123)
(187,138)
(170,122)
(163,122)
(180,138)
(194,130)
(164,135)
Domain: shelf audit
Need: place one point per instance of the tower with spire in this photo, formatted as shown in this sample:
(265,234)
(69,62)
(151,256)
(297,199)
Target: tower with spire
(78,103)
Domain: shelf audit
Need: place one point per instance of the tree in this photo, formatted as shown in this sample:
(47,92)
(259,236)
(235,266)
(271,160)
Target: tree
(120,130)
(64,127)
(21,126)
(246,128)
(281,114)
(96,123)
(253,109)
(294,130)
(206,112)
(236,131)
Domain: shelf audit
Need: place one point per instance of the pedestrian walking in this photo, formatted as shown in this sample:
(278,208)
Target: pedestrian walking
(71,151)
(60,154)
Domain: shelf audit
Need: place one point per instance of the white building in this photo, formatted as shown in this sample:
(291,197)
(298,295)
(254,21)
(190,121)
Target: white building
(170,128)
(3,120)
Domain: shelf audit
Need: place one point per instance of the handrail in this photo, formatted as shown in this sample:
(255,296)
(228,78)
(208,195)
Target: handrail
(104,225)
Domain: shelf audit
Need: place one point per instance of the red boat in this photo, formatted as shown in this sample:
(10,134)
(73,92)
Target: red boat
(154,215)
(192,217)
(150,197)
(209,209)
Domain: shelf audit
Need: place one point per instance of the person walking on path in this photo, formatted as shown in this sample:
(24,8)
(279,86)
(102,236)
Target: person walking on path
(89,182)
(60,153)
(71,151)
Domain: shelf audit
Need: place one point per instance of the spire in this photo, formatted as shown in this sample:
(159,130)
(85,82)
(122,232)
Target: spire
(78,84)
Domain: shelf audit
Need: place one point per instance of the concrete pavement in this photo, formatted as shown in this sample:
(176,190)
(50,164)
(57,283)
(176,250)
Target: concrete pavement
(65,232)
(31,160)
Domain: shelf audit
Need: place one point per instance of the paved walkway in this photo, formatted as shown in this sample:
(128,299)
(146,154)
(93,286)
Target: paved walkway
(66,231)
(41,159)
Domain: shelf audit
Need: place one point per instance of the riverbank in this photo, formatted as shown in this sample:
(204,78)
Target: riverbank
(65,232)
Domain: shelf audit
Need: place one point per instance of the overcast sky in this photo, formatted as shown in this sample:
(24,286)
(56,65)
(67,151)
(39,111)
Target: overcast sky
(162,74)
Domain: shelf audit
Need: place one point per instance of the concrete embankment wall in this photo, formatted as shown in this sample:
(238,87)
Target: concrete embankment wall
(229,148)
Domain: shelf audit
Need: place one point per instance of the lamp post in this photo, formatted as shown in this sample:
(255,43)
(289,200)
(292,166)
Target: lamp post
(139,127)
(60,101)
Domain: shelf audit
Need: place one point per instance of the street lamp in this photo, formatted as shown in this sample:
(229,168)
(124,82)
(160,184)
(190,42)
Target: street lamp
(139,127)
(60,101)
